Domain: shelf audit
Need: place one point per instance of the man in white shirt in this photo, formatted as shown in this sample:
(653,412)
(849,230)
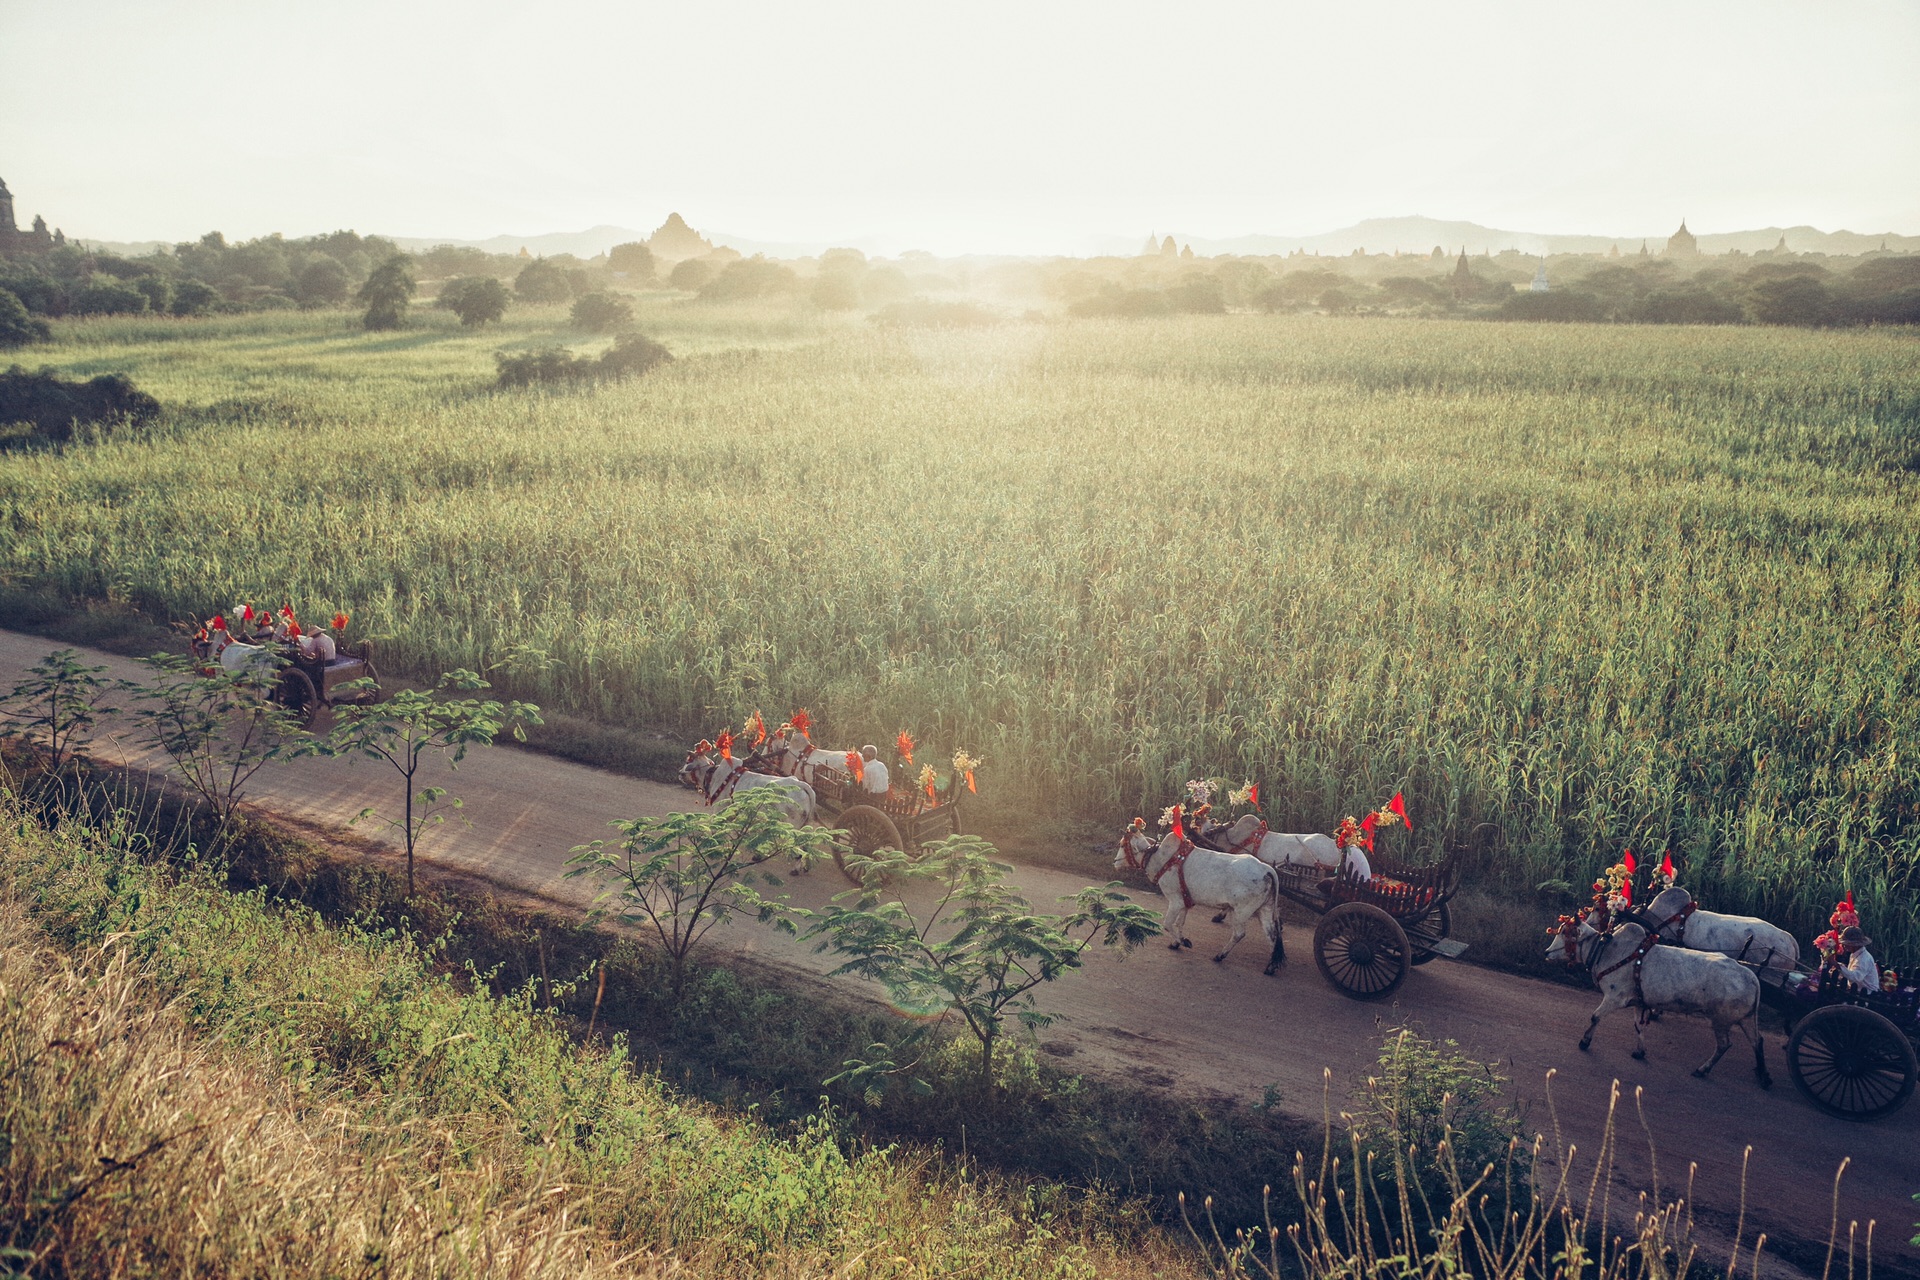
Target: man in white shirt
(1861,969)
(873,774)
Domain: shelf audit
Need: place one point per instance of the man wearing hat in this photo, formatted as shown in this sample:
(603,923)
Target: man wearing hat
(873,772)
(1859,968)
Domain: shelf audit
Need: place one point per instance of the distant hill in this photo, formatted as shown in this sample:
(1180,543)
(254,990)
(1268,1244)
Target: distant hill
(597,240)
(1420,235)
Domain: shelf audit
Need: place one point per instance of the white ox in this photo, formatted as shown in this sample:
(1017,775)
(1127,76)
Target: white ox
(794,755)
(1674,916)
(717,780)
(1278,850)
(239,658)
(1188,876)
(1632,973)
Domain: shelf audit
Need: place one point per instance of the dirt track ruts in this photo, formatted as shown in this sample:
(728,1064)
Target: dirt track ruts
(1179,1023)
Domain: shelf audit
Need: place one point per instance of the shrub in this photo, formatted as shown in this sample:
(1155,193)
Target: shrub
(542,281)
(1565,306)
(477,300)
(601,312)
(107,296)
(631,354)
(690,275)
(18,326)
(633,260)
(748,278)
(54,406)
(193,298)
(159,293)
(387,292)
(1798,300)
(322,283)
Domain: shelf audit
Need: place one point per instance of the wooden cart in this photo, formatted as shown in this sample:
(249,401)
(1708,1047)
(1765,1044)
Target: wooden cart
(1852,1052)
(304,687)
(1372,931)
(898,820)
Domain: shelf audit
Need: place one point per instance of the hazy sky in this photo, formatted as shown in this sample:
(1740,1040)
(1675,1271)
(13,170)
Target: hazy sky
(1026,127)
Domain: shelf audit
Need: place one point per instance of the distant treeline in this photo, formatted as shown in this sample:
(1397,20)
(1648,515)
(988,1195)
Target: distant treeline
(1877,289)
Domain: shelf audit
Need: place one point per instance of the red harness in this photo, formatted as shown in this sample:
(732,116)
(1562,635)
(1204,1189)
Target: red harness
(1681,915)
(726,788)
(1250,844)
(1178,862)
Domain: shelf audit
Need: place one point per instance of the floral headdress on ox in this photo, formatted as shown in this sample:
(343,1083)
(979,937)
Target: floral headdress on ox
(1845,915)
(1613,891)
(757,727)
(1350,833)
(1248,795)
(965,764)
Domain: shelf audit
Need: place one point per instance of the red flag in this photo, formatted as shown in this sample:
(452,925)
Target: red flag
(1629,863)
(246,614)
(1850,900)
(1626,893)
(802,724)
(1666,865)
(726,744)
(1253,795)
(854,764)
(905,743)
(759,728)
(340,622)
(1179,827)
(1399,805)
(930,796)
(970,785)
(1367,824)
(219,622)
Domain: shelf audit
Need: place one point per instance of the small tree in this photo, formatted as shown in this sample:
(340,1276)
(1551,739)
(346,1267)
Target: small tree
(406,726)
(58,704)
(633,260)
(680,875)
(18,326)
(219,729)
(980,951)
(602,311)
(477,300)
(388,289)
(542,281)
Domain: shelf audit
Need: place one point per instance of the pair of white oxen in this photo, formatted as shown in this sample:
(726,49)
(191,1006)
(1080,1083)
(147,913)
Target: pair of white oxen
(1669,957)
(788,764)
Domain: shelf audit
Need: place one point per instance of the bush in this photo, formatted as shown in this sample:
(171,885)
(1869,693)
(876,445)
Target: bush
(1796,300)
(690,275)
(18,326)
(158,292)
(53,406)
(602,311)
(322,283)
(633,260)
(107,296)
(1566,307)
(477,300)
(631,354)
(748,278)
(194,298)
(387,291)
(542,281)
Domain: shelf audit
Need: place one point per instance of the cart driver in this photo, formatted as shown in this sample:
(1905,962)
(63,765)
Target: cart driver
(873,774)
(1859,966)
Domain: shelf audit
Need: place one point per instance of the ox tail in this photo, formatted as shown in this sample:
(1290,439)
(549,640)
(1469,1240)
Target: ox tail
(1279,955)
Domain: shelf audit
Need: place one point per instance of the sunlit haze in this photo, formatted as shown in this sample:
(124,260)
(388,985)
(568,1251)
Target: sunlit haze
(990,127)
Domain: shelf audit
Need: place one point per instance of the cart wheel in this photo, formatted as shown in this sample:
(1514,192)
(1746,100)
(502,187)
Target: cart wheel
(1361,950)
(1851,1062)
(867,829)
(1435,926)
(298,695)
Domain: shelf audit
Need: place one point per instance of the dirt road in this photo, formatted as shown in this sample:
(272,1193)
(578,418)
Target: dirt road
(1180,1023)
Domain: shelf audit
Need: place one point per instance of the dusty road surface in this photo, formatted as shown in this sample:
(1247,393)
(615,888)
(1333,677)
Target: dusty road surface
(1202,1030)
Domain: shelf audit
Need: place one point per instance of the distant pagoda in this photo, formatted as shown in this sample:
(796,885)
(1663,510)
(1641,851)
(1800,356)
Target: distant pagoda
(1681,244)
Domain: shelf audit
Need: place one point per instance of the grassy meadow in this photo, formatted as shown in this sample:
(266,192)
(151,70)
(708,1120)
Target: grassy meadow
(1604,587)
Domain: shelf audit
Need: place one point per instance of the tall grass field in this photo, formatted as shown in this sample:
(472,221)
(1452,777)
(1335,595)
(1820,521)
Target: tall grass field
(1603,587)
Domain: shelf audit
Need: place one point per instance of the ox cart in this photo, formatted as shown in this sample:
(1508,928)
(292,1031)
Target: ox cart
(304,685)
(1372,931)
(900,819)
(1851,1051)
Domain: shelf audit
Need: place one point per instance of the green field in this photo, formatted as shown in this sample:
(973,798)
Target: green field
(1605,587)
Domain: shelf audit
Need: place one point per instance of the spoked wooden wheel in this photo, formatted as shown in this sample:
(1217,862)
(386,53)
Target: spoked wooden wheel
(867,829)
(1423,931)
(1361,950)
(298,695)
(1851,1062)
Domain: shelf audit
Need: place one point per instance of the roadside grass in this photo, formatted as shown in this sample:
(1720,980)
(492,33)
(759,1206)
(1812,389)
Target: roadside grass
(409,1082)
(386,1039)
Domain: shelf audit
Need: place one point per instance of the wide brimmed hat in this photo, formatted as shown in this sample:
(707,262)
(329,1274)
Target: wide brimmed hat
(1854,936)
